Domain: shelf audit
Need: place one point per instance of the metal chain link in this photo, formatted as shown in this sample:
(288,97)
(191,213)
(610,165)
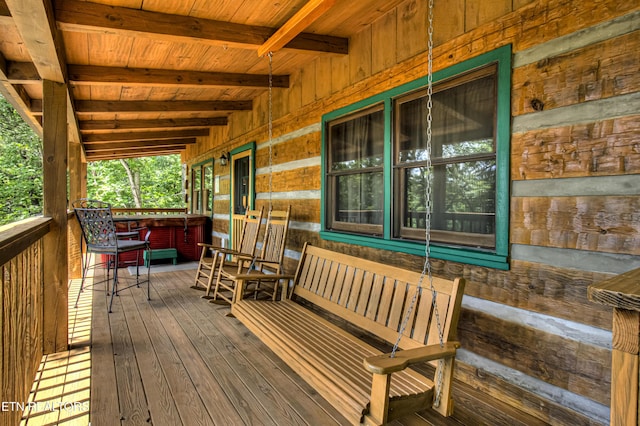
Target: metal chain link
(426,269)
(270,128)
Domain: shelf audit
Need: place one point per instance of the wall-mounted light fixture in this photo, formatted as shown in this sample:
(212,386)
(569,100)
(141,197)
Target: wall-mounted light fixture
(224,158)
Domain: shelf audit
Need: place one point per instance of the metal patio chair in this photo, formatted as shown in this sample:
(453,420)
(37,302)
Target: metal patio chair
(100,238)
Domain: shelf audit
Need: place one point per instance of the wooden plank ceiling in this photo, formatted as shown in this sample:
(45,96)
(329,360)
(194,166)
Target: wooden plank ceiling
(147,77)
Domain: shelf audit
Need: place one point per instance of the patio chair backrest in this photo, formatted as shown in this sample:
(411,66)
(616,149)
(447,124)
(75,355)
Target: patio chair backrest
(250,230)
(275,236)
(96,222)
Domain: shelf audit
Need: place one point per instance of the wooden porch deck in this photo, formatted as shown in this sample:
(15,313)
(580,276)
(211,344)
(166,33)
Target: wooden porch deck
(176,360)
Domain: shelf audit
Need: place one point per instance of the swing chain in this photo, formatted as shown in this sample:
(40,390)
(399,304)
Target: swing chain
(426,270)
(270,119)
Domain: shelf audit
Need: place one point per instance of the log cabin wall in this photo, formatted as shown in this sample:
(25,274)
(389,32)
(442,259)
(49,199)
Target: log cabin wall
(529,336)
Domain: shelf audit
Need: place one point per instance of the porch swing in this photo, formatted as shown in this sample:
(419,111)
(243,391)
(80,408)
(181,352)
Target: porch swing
(390,303)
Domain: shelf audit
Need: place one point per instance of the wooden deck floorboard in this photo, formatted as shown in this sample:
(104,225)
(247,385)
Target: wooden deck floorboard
(179,360)
(174,360)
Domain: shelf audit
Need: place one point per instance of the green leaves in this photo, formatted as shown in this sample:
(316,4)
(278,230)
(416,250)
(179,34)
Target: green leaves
(20,167)
(158,180)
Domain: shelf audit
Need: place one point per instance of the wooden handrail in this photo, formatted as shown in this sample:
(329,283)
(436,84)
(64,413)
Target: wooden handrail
(16,237)
(134,210)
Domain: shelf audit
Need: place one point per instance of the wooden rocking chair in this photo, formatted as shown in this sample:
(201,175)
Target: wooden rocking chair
(213,255)
(268,262)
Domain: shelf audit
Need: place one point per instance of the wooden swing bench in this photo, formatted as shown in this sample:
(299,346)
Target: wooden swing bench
(366,385)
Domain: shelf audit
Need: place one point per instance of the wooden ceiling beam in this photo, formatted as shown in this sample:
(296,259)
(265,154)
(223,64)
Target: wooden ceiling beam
(295,25)
(81,16)
(45,46)
(43,40)
(17,96)
(87,74)
(135,153)
(132,136)
(115,146)
(22,73)
(92,107)
(97,125)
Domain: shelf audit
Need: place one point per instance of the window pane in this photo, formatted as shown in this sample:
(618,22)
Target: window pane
(463,120)
(463,198)
(360,198)
(358,143)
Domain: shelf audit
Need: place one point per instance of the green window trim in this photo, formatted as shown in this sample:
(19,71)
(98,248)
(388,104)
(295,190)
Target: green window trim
(202,165)
(251,146)
(495,258)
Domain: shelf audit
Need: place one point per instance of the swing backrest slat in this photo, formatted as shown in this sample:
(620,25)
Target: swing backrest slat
(376,297)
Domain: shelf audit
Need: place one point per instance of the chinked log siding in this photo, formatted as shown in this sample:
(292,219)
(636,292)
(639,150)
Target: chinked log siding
(604,224)
(607,147)
(579,367)
(575,129)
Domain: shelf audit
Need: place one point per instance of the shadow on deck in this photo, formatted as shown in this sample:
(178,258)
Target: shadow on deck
(176,360)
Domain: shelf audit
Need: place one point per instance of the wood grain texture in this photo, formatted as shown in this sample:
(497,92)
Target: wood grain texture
(303,18)
(624,389)
(73,15)
(54,164)
(626,331)
(21,325)
(110,125)
(620,291)
(602,224)
(602,148)
(86,74)
(578,367)
(598,71)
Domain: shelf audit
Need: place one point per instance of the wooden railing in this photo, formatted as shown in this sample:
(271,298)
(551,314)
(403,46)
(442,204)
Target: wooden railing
(133,210)
(21,269)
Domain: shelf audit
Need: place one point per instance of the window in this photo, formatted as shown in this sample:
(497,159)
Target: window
(355,173)
(201,184)
(208,188)
(196,189)
(375,165)
(463,156)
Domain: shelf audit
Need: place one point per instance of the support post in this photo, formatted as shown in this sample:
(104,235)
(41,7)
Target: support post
(77,189)
(54,150)
(622,292)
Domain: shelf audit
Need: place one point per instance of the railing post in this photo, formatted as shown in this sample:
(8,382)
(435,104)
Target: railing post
(622,292)
(77,189)
(54,154)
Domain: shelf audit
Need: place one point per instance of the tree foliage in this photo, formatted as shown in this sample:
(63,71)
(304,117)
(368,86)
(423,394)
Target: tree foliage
(20,167)
(157,180)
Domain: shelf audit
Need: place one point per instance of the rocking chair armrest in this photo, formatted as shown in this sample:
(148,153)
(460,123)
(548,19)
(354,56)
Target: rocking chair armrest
(259,276)
(210,246)
(243,257)
(219,249)
(384,364)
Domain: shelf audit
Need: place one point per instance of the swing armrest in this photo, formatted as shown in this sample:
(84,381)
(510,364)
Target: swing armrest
(384,364)
(242,279)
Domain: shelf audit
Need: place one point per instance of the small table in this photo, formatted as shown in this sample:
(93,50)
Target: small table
(622,292)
